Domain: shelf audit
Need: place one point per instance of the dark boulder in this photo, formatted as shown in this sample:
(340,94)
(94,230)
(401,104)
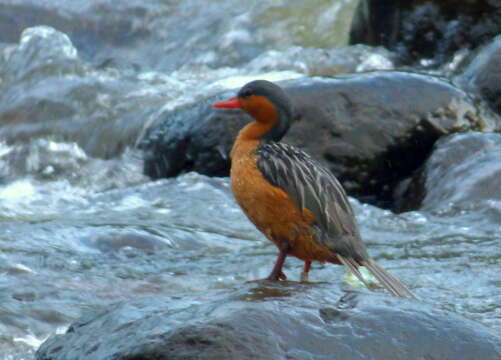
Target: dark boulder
(275,321)
(193,137)
(432,29)
(462,173)
(482,76)
(371,129)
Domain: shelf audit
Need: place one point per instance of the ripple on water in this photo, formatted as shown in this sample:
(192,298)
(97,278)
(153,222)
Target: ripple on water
(79,232)
(187,236)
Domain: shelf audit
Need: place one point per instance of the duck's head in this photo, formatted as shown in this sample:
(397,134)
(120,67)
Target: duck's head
(267,103)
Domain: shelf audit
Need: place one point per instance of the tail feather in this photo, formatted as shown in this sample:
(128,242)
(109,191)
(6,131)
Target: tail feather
(388,280)
(392,284)
(353,267)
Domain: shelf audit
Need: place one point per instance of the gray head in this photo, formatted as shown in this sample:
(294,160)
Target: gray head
(266,102)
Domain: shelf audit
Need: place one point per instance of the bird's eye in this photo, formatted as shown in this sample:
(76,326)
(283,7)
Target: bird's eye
(245,93)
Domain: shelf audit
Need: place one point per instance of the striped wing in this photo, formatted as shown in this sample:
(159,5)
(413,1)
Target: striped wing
(312,186)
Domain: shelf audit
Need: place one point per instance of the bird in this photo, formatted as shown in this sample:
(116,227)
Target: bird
(294,200)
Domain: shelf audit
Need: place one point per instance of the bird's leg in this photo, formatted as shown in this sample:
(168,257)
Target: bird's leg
(306,270)
(277,274)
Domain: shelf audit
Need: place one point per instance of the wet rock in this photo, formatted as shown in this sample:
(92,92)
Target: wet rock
(266,321)
(101,31)
(372,129)
(48,91)
(192,138)
(483,75)
(462,173)
(164,36)
(432,29)
(42,51)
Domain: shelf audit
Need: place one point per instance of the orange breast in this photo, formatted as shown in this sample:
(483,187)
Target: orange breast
(270,208)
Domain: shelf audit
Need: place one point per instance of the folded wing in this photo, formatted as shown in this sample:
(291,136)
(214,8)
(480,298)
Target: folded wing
(312,186)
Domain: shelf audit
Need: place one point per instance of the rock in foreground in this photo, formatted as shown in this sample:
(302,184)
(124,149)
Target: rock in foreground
(275,321)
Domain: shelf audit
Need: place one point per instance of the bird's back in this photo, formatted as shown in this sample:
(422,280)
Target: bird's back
(313,187)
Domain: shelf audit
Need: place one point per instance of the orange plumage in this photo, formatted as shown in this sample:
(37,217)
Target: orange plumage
(270,208)
(293,200)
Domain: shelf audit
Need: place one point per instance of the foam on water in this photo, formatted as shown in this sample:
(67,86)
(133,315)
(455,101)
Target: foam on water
(33,199)
(79,231)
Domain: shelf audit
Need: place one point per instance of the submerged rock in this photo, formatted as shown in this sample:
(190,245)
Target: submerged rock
(275,321)
(371,129)
(462,173)
(431,30)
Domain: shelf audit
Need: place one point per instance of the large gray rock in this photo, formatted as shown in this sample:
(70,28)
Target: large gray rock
(280,321)
(462,173)
(371,129)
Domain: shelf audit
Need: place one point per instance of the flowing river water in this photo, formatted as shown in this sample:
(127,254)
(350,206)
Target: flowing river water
(81,226)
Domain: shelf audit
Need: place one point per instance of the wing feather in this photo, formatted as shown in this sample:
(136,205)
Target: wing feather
(312,186)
